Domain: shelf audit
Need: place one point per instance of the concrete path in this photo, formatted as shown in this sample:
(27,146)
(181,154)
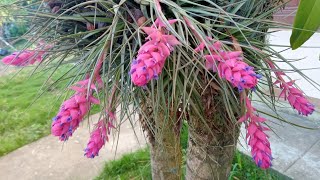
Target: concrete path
(51,159)
(296,151)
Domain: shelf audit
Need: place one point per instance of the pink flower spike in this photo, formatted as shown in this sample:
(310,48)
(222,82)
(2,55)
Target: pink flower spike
(99,136)
(295,97)
(152,55)
(22,58)
(97,140)
(257,139)
(72,111)
(229,66)
(26,57)
(260,147)
(299,102)
(238,73)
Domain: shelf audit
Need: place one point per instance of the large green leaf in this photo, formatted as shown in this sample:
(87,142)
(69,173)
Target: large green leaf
(306,22)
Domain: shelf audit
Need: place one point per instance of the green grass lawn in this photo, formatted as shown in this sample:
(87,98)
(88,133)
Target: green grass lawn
(21,123)
(21,120)
(136,165)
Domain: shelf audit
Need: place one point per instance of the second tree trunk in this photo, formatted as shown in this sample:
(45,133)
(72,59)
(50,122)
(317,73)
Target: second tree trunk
(212,140)
(210,157)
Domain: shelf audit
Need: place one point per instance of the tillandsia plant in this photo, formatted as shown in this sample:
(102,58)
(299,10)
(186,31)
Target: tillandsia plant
(170,62)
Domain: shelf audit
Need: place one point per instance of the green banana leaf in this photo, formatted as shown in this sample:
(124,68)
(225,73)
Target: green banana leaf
(306,22)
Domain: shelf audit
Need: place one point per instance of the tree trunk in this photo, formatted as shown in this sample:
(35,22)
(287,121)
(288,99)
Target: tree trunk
(210,157)
(212,140)
(164,140)
(166,155)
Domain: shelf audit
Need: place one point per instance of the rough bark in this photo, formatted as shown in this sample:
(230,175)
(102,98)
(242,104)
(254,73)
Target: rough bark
(164,141)
(210,157)
(166,155)
(212,140)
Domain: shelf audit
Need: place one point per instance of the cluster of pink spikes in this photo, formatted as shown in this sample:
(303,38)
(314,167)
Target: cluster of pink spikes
(230,66)
(148,65)
(72,112)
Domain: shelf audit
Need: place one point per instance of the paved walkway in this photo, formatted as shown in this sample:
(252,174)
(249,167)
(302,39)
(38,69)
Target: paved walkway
(296,151)
(50,159)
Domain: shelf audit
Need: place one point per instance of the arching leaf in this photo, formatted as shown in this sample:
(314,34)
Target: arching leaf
(306,22)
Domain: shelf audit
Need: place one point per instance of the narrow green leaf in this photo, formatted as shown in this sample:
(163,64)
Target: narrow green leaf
(306,22)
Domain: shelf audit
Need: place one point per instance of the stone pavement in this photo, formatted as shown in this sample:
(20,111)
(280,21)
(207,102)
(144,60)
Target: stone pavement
(50,159)
(296,151)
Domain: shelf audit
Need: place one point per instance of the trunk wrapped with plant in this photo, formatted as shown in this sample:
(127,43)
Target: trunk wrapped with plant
(169,62)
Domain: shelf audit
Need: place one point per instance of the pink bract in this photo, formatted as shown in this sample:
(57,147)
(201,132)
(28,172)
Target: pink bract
(97,140)
(257,139)
(299,102)
(295,97)
(23,58)
(73,110)
(99,136)
(152,55)
(230,66)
